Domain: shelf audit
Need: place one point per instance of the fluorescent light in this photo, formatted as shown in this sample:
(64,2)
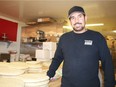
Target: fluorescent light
(100,24)
(69,27)
(114,31)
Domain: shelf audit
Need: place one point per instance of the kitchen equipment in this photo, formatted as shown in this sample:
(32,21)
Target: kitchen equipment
(4,37)
(41,35)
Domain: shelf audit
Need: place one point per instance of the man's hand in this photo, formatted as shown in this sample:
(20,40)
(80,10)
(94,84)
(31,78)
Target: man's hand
(53,79)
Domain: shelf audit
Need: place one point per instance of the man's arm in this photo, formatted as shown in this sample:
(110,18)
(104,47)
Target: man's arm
(58,58)
(107,64)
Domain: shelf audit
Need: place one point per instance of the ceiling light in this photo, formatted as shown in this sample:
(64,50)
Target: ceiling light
(100,24)
(67,27)
(114,31)
(88,25)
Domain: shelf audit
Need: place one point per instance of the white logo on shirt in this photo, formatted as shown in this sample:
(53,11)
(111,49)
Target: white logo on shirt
(88,42)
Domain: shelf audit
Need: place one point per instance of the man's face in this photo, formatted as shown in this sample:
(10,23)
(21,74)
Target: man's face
(78,21)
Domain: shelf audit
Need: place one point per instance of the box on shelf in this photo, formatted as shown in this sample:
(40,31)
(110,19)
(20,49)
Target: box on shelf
(49,45)
(51,54)
(42,54)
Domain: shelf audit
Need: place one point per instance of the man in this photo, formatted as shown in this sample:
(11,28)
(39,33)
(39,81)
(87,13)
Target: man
(81,50)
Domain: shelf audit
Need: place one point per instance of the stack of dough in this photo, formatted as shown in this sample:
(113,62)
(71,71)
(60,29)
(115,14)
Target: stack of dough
(19,66)
(11,82)
(6,71)
(35,80)
(46,65)
(4,64)
(34,67)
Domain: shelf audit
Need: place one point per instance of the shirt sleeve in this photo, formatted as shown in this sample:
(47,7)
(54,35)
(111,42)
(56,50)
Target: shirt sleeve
(107,64)
(56,61)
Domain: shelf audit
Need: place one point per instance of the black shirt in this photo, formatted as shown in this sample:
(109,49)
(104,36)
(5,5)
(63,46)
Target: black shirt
(81,54)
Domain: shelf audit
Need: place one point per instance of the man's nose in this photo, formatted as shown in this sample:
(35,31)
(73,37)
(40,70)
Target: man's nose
(76,19)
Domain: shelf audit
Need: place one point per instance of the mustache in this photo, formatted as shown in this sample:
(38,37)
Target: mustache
(77,23)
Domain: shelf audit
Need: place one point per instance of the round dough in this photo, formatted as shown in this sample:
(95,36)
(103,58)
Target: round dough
(4,64)
(11,82)
(34,77)
(10,72)
(32,62)
(18,65)
(37,83)
(34,66)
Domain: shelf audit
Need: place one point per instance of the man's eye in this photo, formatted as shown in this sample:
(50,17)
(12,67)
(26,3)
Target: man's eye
(71,18)
(80,16)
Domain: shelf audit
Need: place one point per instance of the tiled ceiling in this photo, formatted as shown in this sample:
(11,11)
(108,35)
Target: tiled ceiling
(98,11)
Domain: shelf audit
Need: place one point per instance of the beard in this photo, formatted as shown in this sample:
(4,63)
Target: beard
(78,27)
